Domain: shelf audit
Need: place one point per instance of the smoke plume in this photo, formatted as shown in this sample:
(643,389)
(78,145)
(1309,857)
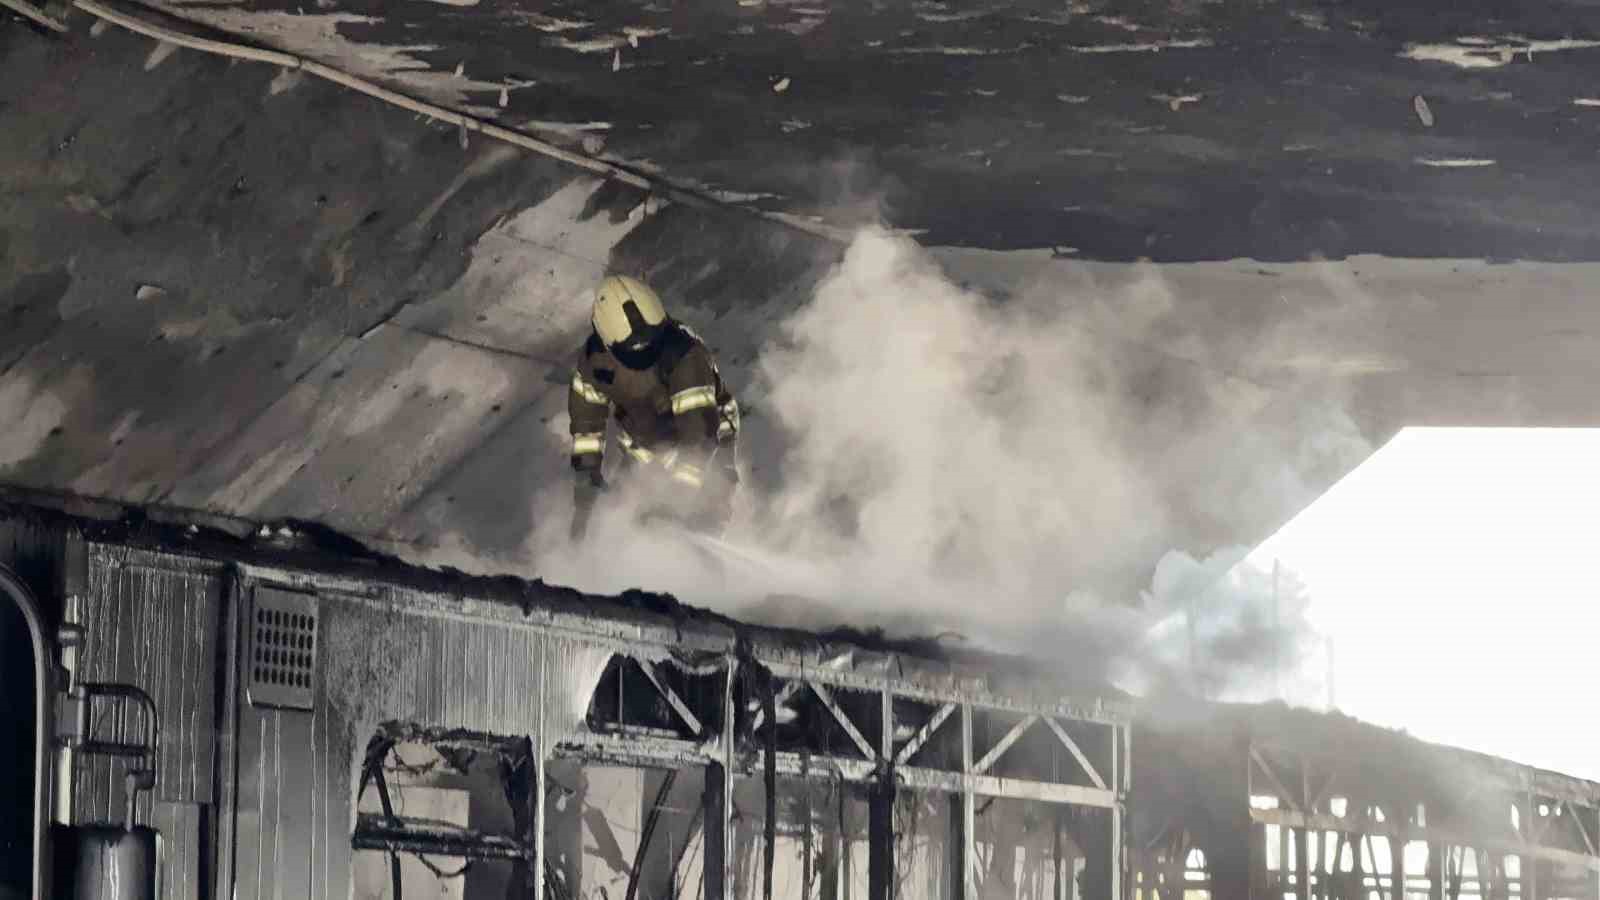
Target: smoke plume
(995,467)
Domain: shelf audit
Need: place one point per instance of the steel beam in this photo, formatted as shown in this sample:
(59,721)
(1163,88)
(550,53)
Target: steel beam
(541,749)
(1077,754)
(671,696)
(1266,769)
(1544,827)
(922,736)
(1103,712)
(1302,867)
(715,864)
(1583,830)
(880,839)
(1322,794)
(1118,761)
(639,751)
(434,842)
(722,773)
(999,749)
(1014,788)
(784,695)
(671,754)
(969,865)
(849,727)
(1292,819)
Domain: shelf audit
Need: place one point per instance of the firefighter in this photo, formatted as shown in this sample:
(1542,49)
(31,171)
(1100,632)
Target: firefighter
(675,419)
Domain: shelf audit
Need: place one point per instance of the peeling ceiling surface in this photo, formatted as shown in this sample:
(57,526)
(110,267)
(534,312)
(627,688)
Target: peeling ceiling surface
(242,289)
(1175,130)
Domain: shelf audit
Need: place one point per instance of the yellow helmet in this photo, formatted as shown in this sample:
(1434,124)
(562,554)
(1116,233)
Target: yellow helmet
(627,314)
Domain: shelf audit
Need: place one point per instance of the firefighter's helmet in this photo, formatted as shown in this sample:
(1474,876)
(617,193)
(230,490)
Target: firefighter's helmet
(628,316)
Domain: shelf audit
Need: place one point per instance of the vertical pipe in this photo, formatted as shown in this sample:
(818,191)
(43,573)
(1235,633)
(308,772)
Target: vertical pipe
(717,867)
(887,790)
(957,842)
(1126,730)
(968,862)
(1258,860)
(1283,860)
(232,619)
(806,874)
(714,867)
(42,661)
(1436,853)
(1119,781)
(1060,864)
(846,849)
(880,812)
(1530,867)
(880,840)
(541,744)
(725,820)
(1300,871)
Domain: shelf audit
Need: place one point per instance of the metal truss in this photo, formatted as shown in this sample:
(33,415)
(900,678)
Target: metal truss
(877,748)
(1461,805)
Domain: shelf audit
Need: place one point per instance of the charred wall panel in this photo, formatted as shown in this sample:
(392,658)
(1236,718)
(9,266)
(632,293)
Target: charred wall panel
(151,620)
(277,804)
(384,658)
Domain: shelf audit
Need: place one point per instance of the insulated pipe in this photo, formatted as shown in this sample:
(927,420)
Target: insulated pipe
(13,587)
(686,196)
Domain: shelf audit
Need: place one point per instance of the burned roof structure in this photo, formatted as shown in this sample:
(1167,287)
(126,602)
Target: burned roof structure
(335,674)
(410,715)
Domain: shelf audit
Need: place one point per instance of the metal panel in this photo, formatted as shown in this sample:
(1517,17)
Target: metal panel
(180,849)
(276,800)
(396,658)
(387,660)
(281,664)
(150,620)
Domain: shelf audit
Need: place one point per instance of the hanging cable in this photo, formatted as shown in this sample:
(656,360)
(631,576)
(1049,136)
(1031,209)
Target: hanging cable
(615,171)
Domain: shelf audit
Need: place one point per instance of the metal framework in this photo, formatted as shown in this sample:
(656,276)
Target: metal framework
(540,675)
(880,749)
(1315,807)
(1544,824)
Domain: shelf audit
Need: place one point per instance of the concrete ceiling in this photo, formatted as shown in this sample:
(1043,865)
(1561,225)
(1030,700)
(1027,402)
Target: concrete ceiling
(241,289)
(1174,130)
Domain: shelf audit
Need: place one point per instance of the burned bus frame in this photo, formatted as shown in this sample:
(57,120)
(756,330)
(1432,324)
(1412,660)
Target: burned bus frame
(1269,801)
(271,668)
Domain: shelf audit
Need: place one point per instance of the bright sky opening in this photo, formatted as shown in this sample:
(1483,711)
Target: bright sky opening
(1458,573)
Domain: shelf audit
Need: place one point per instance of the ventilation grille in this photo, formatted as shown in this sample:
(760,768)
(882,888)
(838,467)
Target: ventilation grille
(282,664)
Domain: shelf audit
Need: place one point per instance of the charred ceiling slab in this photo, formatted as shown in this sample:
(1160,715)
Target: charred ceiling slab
(1120,128)
(267,296)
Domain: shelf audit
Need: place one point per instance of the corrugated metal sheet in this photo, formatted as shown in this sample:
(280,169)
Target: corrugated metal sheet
(399,660)
(404,657)
(181,849)
(151,620)
(280,794)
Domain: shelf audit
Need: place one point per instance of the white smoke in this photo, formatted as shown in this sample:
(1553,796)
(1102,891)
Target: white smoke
(953,462)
